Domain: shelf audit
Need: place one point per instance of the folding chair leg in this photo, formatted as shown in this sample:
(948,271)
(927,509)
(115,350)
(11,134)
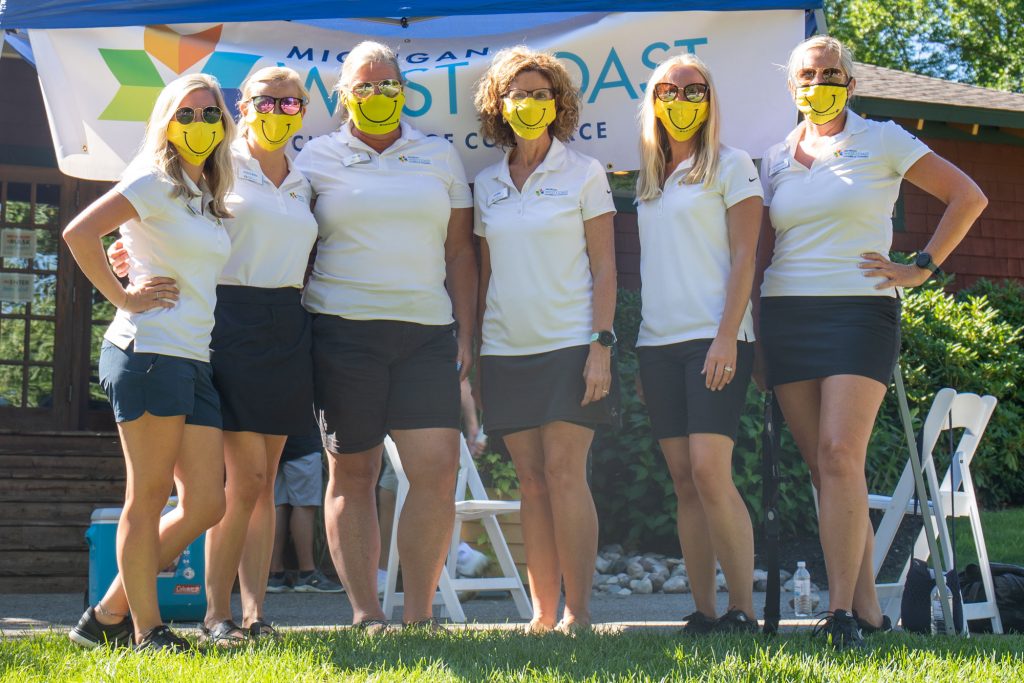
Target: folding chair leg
(508,566)
(986,569)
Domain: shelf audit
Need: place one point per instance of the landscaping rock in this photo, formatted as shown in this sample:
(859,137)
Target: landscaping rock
(676,584)
(623,592)
(658,580)
(602,564)
(679,570)
(635,569)
(624,580)
(641,586)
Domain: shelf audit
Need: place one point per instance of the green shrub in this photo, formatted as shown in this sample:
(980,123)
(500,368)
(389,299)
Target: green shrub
(971,341)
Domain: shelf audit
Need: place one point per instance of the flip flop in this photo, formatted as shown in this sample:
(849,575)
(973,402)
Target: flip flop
(226,634)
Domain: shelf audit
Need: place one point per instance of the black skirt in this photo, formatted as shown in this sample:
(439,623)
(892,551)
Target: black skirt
(524,392)
(262,360)
(811,337)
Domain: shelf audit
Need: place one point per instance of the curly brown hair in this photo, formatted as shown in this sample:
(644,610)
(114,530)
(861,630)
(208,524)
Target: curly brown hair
(508,64)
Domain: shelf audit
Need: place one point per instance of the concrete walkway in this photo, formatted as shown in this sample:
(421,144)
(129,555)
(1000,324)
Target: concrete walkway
(27,614)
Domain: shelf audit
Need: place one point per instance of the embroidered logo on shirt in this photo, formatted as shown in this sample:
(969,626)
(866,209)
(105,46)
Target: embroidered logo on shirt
(551,192)
(778,167)
(412,159)
(298,197)
(851,154)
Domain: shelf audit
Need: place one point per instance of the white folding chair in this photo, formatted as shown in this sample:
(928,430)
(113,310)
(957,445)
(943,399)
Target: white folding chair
(478,507)
(956,496)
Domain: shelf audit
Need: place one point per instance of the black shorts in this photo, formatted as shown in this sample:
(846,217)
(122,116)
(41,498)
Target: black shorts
(678,401)
(373,376)
(261,352)
(524,392)
(811,337)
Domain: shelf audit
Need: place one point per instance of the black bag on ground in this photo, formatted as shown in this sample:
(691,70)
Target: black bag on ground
(1008,580)
(916,604)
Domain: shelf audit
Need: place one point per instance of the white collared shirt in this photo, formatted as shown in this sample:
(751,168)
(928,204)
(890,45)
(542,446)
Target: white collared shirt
(685,259)
(826,216)
(383,222)
(540,296)
(173,237)
(273,229)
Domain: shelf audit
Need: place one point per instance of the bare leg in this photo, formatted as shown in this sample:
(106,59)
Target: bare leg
(542,569)
(732,535)
(386,518)
(254,568)
(575,518)
(245,459)
(428,515)
(849,406)
(302,536)
(197,472)
(350,514)
(280,538)
(692,525)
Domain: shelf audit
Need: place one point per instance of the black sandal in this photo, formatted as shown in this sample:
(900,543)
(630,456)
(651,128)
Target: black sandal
(226,634)
(260,630)
(372,627)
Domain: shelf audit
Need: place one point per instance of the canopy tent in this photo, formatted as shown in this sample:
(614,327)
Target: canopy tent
(97,13)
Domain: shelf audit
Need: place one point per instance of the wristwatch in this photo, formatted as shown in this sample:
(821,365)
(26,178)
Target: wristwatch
(603,337)
(924,260)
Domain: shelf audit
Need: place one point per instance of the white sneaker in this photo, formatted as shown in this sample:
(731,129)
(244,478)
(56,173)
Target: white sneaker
(469,561)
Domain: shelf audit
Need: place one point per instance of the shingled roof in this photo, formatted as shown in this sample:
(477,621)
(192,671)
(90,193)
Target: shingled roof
(899,93)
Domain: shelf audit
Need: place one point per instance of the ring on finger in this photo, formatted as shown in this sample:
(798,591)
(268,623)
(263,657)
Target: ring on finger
(728,368)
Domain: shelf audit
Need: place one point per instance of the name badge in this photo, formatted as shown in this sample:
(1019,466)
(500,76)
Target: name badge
(357,158)
(778,167)
(551,192)
(253,176)
(852,154)
(497,196)
(413,159)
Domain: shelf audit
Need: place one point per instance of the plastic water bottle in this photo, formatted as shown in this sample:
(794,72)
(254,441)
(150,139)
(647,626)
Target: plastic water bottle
(802,599)
(938,618)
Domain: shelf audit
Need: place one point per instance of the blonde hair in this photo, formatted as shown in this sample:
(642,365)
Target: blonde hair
(366,52)
(159,153)
(654,141)
(493,85)
(273,74)
(827,43)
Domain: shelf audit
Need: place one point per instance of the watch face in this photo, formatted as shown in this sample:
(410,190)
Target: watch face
(606,338)
(923,261)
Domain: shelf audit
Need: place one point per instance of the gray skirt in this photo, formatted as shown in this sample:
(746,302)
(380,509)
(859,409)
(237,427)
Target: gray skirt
(525,392)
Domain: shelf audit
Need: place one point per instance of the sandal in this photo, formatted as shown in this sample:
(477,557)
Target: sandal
(372,627)
(431,625)
(261,630)
(226,634)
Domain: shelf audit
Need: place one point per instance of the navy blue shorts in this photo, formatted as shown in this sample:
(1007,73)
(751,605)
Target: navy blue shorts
(153,383)
(677,397)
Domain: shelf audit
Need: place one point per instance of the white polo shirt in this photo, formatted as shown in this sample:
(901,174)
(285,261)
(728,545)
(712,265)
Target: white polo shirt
(684,252)
(540,296)
(273,229)
(825,217)
(383,223)
(173,237)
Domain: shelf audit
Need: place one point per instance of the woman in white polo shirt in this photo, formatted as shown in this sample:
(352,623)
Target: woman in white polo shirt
(829,307)
(394,259)
(699,213)
(544,215)
(154,364)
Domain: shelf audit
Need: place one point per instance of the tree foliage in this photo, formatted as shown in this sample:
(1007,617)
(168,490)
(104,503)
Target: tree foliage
(974,41)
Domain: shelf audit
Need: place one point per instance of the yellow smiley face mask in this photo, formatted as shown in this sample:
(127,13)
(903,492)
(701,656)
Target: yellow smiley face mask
(681,119)
(377,114)
(528,117)
(272,131)
(821,102)
(195,141)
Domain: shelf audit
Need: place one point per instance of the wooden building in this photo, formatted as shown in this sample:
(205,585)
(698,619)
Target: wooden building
(59,452)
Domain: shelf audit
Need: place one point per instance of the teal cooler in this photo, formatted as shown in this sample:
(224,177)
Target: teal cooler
(180,587)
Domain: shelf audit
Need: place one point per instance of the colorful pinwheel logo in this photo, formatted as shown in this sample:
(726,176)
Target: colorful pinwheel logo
(140,80)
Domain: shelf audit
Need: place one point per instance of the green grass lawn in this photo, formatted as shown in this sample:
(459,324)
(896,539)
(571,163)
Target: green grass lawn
(505,656)
(1004,536)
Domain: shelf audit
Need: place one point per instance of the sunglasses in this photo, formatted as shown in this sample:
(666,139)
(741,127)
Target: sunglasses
(540,94)
(694,92)
(829,76)
(389,87)
(186,115)
(265,104)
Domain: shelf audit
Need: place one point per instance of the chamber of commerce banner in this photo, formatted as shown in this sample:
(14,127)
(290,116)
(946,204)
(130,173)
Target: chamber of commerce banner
(100,84)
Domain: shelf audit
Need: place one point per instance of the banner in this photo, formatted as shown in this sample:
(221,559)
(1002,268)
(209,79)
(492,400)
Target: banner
(99,85)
